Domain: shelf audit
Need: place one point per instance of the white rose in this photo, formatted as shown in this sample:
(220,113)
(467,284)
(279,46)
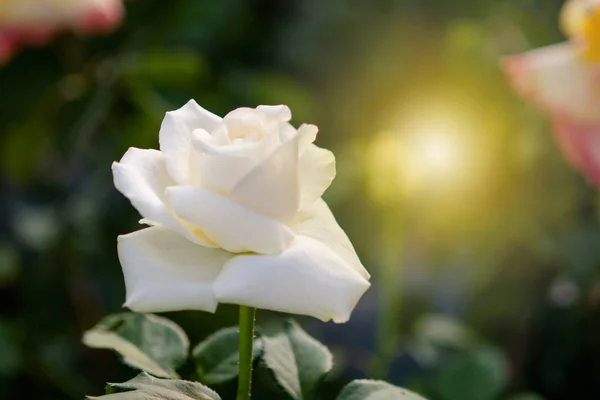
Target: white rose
(236,216)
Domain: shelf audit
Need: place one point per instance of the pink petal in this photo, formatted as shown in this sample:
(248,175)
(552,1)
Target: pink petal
(102,19)
(8,46)
(580,143)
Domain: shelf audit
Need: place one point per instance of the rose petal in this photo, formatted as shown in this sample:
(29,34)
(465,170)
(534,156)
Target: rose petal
(275,115)
(316,170)
(272,187)
(581,144)
(240,123)
(222,167)
(141,176)
(317,222)
(308,279)
(165,272)
(102,18)
(557,79)
(175,139)
(222,173)
(573,15)
(9,44)
(234,227)
(307,134)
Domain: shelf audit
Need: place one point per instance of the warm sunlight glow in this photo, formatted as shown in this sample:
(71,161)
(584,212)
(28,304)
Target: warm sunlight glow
(431,148)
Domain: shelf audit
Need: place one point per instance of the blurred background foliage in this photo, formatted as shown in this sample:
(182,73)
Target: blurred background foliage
(483,244)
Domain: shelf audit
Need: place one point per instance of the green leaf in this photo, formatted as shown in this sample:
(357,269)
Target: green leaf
(434,334)
(153,344)
(299,362)
(9,265)
(12,359)
(364,389)
(444,331)
(217,357)
(480,375)
(147,387)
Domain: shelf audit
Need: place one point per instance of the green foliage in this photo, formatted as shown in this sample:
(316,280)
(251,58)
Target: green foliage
(299,362)
(9,265)
(145,341)
(145,387)
(292,365)
(478,375)
(10,361)
(375,390)
(217,356)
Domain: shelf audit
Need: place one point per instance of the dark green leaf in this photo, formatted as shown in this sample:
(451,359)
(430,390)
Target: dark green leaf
(475,376)
(9,265)
(434,334)
(148,342)
(444,331)
(217,357)
(375,390)
(147,387)
(526,396)
(11,360)
(298,361)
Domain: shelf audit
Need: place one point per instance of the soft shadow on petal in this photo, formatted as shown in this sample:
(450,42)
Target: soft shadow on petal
(175,138)
(221,173)
(220,168)
(165,272)
(232,226)
(557,79)
(141,176)
(307,279)
(272,187)
(317,222)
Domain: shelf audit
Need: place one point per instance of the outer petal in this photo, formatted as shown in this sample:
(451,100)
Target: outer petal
(317,222)
(165,272)
(308,279)
(8,46)
(316,171)
(234,227)
(581,145)
(558,80)
(141,176)
(175,139)
(272,187)
(275,115)
(103,17)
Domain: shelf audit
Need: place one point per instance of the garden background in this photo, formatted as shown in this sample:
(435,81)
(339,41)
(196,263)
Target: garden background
(483,245)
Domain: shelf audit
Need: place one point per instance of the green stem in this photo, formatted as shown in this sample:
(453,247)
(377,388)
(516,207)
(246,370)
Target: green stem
(247,315)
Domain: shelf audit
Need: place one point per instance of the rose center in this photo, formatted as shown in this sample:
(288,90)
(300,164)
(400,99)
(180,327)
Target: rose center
(580,21)
(591,34)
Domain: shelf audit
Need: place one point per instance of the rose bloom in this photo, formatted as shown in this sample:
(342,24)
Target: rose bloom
(563,80)
(34,22)
(236,216)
